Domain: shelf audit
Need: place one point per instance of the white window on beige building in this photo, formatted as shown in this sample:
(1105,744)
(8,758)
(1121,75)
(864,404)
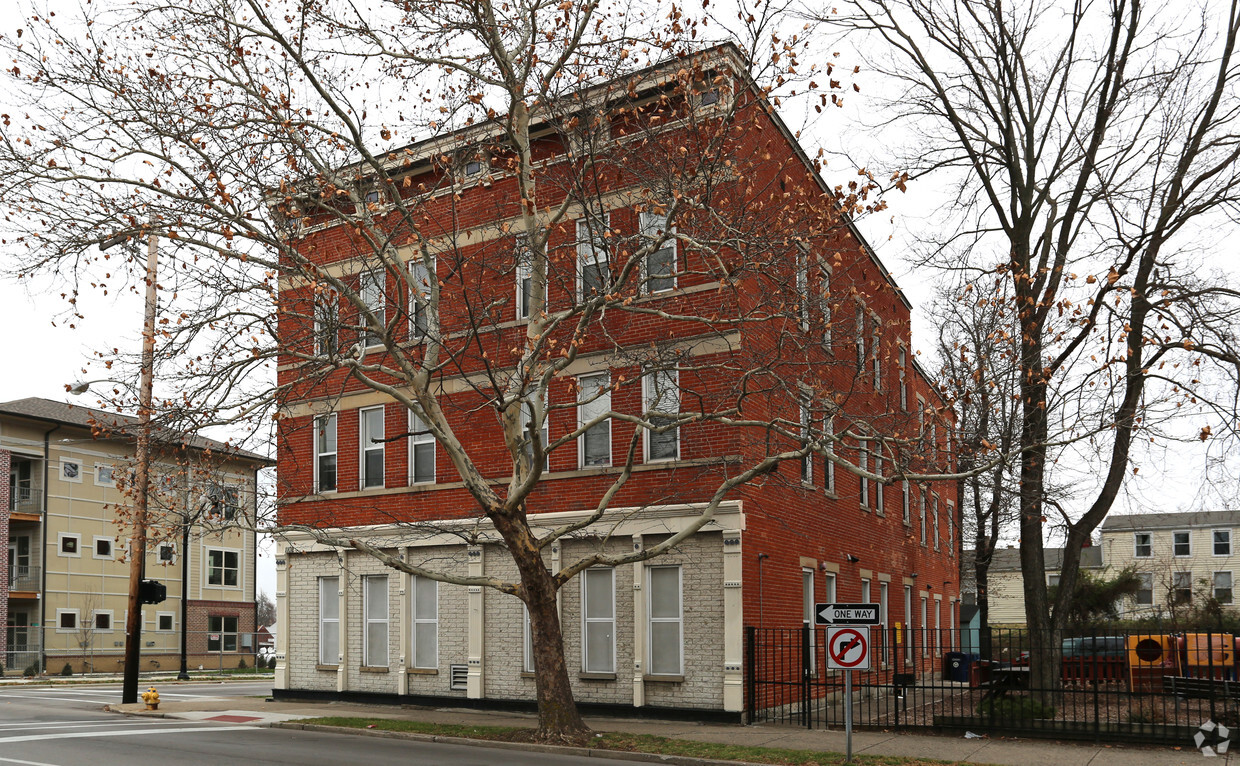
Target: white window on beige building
(598,598)
(1145,593)
(1181,544)
(666,622)
(375,614)
(425,622)
(105,476)
(71,470)
(67,620)
(69,544)
(1222,542)
(165,622)
(103,547)
(1222,587)
(223,567)
(102,620)
(1181,587)
(1142,545)
(329,620)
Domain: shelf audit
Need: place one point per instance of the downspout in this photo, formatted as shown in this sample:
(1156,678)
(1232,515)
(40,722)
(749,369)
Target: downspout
(47,457)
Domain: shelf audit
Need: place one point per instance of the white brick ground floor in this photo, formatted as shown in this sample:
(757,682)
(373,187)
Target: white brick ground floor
(663,634)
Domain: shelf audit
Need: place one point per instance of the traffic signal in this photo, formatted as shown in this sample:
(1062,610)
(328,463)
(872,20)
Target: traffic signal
(152,592)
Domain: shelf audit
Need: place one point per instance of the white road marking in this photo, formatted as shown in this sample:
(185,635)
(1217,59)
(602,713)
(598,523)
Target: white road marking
(129,733)
(26,763)
(6,727)
(55,699)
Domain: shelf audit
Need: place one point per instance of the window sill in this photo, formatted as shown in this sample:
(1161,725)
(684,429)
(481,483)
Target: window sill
(422,671)
(528,674)
(374,669)
(831,494)
(597,676)
(332,668)
(665,679)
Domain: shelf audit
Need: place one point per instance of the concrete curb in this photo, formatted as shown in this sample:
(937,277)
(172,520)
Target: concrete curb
(529,747)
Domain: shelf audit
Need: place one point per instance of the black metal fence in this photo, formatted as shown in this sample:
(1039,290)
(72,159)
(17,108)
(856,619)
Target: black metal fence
(1129,687)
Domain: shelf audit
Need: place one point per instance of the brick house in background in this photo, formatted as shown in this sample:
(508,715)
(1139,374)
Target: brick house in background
(64,580)
(668,632)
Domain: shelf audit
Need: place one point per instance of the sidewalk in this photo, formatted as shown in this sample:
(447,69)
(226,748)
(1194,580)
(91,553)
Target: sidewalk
(1009,752)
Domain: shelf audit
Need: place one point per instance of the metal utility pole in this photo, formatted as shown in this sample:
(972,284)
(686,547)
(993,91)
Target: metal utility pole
(142,471)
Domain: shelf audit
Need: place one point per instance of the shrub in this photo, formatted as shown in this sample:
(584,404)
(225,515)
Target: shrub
(1147,712)
(31,670)
(271,662)
(67,670)
(241,664)
(1015,707)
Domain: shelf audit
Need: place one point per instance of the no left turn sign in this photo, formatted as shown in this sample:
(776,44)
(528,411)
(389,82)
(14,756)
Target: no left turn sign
(848,648)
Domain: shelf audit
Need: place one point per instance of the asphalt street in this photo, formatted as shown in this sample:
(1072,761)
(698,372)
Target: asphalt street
(66,726)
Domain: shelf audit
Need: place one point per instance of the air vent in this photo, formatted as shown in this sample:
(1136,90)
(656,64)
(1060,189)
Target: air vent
(458,676)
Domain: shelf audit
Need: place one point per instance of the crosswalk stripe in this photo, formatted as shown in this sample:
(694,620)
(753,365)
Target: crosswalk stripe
(123,733)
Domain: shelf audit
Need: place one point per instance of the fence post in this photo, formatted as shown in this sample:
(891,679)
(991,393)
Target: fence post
(751,676)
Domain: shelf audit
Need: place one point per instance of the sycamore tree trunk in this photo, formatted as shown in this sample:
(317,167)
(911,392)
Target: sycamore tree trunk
(558,717)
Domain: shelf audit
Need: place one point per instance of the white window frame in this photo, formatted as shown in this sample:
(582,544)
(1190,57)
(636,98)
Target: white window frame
(525,271)
(649,224)
(807,613)
(415,621)
(883,598)
(860,338)
(589,252)
(364,436)
(419,435)
(1214,589)
(586,620)
(172,622)
(1144,579)
(678,620)
(802,288)
(160,548)
(327,322)
(65,462)
(1214,542)
(527,657)
(329,595)
(111,472)
(824,303)
(94,547)
(418,273)
(908,624)
(1182,580)
(77,620)
(76,553)
(938,626)
(875,358)
(94,621)
(867,589)
(590,405)
(902,371)
(878,487)
(372,292)
(368,621)
(1148,545)
(830,582)
(934,509)
(527,417)
(906,502)
(1188,541)
(925,645)
(223,568)
(951,529)
(921,506)
(319,426)
(828,466)
(648,404)
(863,462)
(806,418)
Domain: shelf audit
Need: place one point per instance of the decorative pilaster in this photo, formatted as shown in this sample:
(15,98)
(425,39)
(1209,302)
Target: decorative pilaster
(342,665)
(639,628)
(403,604)
(733,624)
(282,618)
(474,685)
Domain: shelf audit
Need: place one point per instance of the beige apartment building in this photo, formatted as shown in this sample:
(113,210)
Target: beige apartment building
(64,575)
(1180,557)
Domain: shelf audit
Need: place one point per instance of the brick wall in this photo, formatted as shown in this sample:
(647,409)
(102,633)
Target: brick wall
(197,614)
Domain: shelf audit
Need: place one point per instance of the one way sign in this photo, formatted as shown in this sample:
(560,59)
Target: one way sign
(846,614)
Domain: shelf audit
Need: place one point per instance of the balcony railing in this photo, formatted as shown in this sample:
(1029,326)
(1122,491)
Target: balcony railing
(25,499)
(23,578)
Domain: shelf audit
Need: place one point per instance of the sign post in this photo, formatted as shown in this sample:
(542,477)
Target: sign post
(848,649)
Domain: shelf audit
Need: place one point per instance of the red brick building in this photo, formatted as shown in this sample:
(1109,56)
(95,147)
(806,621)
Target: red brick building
(707,309)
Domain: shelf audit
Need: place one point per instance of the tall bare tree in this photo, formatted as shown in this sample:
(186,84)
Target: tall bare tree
(1094,146)
(267,145)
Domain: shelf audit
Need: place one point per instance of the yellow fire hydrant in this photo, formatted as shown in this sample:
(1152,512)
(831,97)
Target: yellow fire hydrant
(151,698)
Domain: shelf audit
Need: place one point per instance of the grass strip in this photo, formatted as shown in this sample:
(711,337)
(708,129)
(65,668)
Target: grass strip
(632,743)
